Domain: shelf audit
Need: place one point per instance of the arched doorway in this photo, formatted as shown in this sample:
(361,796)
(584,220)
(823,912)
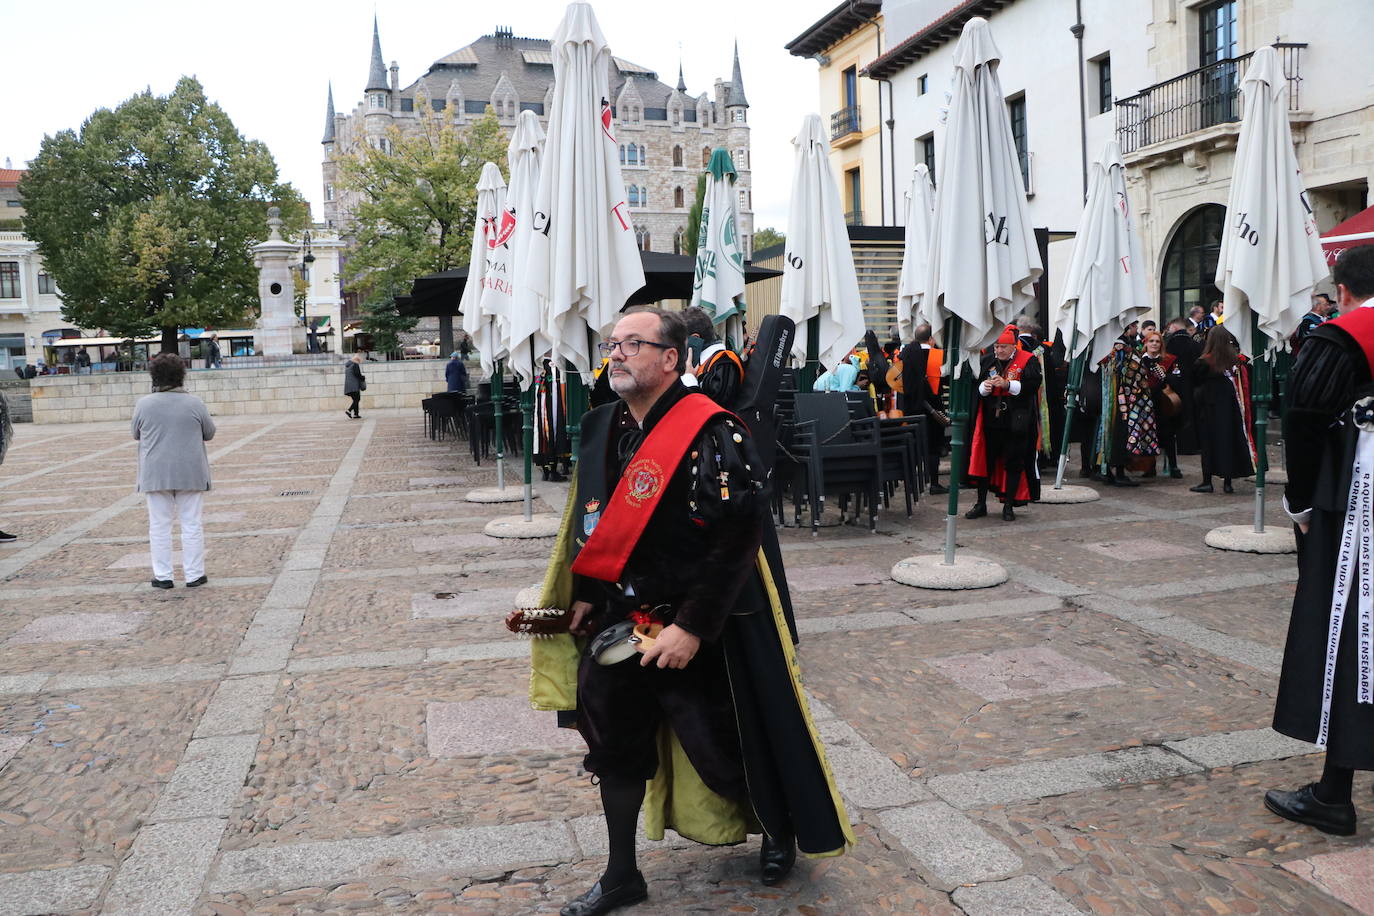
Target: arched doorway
(1190,263)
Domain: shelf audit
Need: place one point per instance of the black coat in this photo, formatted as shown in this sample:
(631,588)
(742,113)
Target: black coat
(1225,449)
(1186,351)
(1331,373)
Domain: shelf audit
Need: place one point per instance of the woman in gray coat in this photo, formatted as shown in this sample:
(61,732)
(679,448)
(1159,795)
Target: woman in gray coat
(355,383)
(172,428)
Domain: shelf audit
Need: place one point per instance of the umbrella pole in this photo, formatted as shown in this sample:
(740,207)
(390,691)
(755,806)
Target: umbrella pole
(960,391)
(527,410)
(1259,403)
(496,411)
(1075,383)
(811,369)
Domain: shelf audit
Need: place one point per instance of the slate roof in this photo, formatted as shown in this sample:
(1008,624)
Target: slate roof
(527,64)
(376,74)
(329,118)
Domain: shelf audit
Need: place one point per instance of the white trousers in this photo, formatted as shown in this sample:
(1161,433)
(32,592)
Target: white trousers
(163,506)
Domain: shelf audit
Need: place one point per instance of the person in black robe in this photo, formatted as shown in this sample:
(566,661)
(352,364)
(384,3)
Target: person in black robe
(1330,422)
(918,400)
(1179,344)
(1005,428)
(1221,385)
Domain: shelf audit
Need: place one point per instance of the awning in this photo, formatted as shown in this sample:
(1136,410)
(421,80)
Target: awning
(666,276)
(1358,230)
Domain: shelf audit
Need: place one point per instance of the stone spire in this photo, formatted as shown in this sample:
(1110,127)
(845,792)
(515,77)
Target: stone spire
(376,74)
(329,117)
(736,95)
(681,83)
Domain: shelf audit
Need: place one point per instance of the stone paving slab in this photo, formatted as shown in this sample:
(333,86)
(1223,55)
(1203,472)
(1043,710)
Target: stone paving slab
(208,779)
(1234,748)
(1348,876)
(52,890)
(65,628)
(493,725)
(163,876)
(1012,674)
(9,746)
(1024,896)
(952,848)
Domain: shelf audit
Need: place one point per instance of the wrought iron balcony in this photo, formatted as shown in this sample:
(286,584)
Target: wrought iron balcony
(844,122)
(1196,100)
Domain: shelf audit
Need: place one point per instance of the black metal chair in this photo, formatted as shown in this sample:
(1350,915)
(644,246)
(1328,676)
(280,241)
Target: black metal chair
(844,456)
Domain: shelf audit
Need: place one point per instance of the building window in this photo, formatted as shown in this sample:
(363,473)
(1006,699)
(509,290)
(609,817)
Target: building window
(925,152)
(741,158)
(14,203)
(622,154)
(1216,32)
(678,197)
(678,238)
(329,192)
(676,114)
(407,104)
(738,116)
(1190,263)
(677,157)
(1104,84)
(705,156)
(853,197)
(849,88)
(377,100)
(643,155)
(45,285)
(639,197)
(1016,113)
(642,238)
(923,84)
(1220,77)
(9,279)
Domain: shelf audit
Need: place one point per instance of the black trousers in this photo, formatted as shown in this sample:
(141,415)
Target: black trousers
(353,397)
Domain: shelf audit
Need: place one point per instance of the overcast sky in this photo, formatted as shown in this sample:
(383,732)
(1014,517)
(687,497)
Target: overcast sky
(268,63)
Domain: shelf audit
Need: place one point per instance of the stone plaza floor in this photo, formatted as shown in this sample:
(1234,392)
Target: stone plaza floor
(338,721)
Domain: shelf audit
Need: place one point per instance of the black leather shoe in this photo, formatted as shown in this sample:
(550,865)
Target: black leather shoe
(1008,513)
(1227,488)
(162,583)
(978,511)
(598,900)
(1201,488)
(776,858)
(1175,474)
(1121,480)
(1304,807)
(197,583)
(937,490)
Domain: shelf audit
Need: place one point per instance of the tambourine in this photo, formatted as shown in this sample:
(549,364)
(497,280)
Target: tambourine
(622,641)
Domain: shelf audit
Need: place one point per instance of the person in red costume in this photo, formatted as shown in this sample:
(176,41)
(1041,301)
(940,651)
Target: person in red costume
(1003,454)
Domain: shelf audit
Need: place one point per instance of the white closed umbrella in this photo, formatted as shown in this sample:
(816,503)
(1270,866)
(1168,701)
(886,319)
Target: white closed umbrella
(820,291)
(487,265)
(583,262)
(718,281)
(1104,284)
(1271,255)
(983,257)
(920,214)
(528,341)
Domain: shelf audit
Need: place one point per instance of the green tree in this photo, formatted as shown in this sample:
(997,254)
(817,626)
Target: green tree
(146,217)
(692,238)
(767,238)
(417,202)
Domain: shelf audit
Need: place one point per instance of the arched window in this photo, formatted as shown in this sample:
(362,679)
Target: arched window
(622,154)
(634,154)
(677,157)
(1190,263)
(705,156)
(678,239)
(741,158)
(635,200)
(677,197)
(676,116)
(642,238)
(643,155)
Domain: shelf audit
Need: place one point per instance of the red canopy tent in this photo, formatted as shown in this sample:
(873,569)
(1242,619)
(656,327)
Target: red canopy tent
(1358,230)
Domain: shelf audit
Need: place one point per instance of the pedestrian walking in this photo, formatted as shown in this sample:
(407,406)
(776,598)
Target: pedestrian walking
(6,434)
(1324,688)
(172,427)
(455,373)
(355,383)
(212,355)
(1221,387)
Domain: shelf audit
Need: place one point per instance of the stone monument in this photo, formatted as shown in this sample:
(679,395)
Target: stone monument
(279,331)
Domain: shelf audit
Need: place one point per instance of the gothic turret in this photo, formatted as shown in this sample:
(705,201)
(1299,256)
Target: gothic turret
(736,92)
(329,117)
(376,74)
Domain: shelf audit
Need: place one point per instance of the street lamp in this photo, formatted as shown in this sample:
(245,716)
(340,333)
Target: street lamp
(306,260)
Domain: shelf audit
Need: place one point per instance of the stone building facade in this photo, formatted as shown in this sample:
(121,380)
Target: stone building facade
(30,308)
(666,134)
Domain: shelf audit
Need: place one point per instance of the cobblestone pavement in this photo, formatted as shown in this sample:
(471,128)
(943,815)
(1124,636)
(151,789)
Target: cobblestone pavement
(338,722)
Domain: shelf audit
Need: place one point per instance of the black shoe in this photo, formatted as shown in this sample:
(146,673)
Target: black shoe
(978,511)
(163,583)
(776,858)
(937,490)
(1151,473)
(598,900)
(8,537)
(197,583)
(1121,480)
(349,414)
(1097,476)
(1227,488)
(1008,513)
(1304,807)
(1201,488)
(1175,473)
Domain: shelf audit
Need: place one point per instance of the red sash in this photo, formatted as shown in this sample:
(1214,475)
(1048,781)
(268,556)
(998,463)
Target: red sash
(630,507)
(1359,324)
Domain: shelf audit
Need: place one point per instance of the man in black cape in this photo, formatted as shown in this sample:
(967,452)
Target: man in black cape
(921,398)
(1326,688)
(664,527)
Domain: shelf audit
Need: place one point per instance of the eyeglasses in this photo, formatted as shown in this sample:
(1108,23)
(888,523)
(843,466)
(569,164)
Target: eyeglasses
(628,348)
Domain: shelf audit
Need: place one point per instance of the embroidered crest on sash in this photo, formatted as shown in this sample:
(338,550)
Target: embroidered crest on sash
(1364,414)
(644,478)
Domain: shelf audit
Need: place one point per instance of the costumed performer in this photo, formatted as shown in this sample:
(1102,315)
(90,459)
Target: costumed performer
(1002,457)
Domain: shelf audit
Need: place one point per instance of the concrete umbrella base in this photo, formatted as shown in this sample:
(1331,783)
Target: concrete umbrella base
(1244,538)
(967,572)
(1069,493)
(511,494)
(539,525)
